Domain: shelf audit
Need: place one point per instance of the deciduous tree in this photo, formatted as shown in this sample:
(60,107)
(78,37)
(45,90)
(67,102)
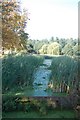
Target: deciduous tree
(13,23)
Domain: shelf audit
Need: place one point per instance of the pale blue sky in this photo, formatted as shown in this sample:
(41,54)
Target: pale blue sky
(57,18)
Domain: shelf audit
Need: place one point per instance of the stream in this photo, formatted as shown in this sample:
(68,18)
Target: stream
(41,79)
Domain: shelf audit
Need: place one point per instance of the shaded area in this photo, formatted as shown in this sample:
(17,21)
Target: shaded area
(52,107)
(53,114)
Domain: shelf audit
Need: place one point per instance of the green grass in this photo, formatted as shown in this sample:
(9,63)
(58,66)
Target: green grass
(59,94)
(28,91)
(63,68)
(33,114)
(18,70)
(18,91)
(64,71)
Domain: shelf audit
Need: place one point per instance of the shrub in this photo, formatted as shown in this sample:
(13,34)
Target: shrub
(9,103)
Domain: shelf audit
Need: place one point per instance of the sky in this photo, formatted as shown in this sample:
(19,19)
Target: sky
(57,18)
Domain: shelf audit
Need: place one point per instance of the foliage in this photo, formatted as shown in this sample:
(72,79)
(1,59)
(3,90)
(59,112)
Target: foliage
(76,49)
(52,48)
(55,46)
(16,103)
(64,71)
(30,49)
(13,22)
(18,70)
(24,38)
(56,114)
(43,49)
(68,49)
(37,44)
(40,105)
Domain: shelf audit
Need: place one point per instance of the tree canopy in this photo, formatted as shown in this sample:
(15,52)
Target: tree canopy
(13,24)
(52,48)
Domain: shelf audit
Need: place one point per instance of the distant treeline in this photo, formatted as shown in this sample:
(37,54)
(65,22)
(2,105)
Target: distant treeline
(55,46)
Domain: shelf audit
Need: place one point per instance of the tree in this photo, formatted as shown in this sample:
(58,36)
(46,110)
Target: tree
(52,39)
(43,50)
(24,38)
(13,23)
(30,49)
(68,49)
(57,39)
(54,48)
(76,49)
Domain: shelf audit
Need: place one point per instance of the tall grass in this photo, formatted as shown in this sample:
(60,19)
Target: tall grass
(18,70)
(64,69)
